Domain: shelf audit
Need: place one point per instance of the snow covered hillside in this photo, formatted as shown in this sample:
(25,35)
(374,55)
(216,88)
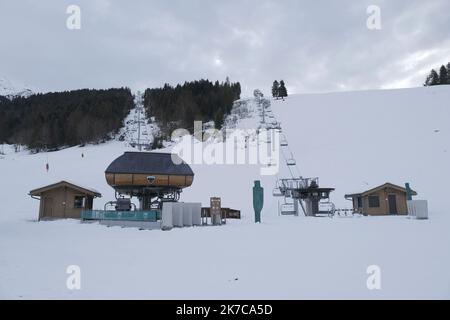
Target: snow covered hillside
(138,130)
(357,140)
(11,90)
(350,140)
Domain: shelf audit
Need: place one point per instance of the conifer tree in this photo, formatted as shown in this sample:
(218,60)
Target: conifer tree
(448,73)
(275,89)
(434,78)
(443,75)
(427,81)
(282,90)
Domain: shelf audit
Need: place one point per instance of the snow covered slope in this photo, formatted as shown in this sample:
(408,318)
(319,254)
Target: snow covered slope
(138,130)
(357,140)
(349,140)
(11,90)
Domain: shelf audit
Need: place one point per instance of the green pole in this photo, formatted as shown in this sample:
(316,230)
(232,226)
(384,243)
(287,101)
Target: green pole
(409,193)
(258,200)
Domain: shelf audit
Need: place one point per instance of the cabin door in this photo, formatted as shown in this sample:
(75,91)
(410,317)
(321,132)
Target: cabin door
(48,207)
(392,204)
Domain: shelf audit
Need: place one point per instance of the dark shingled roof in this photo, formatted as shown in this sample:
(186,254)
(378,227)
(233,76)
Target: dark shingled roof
(149,163)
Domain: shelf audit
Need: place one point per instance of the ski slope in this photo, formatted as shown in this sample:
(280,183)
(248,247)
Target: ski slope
(352,141)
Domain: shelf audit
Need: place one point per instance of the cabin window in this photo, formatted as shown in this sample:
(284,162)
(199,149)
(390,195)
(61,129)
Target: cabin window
(79,202)
(374,201)
(359,200)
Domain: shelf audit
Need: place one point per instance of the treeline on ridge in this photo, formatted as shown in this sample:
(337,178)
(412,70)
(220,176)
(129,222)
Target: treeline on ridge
(63,119)
(442,78)
(179,106)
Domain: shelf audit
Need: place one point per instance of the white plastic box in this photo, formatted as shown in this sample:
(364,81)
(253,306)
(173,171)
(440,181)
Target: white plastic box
(418,209)
(167,216)
(187,214)
(196,209)
(177,215)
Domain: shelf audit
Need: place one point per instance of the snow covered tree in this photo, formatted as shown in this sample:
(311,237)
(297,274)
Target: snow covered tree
(443,75)
(427,81)
(275,89)
(258,94)
(282,90)
(433,79)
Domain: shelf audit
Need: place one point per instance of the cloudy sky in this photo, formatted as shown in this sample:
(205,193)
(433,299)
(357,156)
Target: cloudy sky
(315,46)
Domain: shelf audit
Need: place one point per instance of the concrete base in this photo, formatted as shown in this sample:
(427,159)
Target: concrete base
(142,225)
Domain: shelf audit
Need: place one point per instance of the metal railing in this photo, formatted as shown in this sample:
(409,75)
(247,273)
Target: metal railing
(99,215)
(297,184)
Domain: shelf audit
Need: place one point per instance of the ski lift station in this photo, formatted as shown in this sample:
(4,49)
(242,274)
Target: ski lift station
(148,186)
(153,180)
(156,180)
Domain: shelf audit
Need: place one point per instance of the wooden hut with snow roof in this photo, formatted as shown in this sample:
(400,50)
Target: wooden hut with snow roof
(387,199)
(64,200)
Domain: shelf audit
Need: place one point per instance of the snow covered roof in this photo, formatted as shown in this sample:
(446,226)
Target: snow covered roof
(39,191)
(149,163)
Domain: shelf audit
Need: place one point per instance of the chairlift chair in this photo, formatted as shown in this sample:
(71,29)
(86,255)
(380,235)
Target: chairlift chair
(283,142)
(272,163)
(291,162)
(286,209)
(277,192)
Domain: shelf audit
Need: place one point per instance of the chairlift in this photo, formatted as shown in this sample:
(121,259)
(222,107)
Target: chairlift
(277,192)
(287,209)
(291,162)
(272,163)
(283,141)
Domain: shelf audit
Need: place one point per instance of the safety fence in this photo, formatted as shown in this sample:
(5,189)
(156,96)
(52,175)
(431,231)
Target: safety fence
(99,215)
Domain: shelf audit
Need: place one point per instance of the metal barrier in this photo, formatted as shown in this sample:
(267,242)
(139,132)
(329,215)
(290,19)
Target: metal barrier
(226,213)
(99,215)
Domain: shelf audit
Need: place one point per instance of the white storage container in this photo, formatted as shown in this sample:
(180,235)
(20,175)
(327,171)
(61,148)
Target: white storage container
(418,209)
(196,209)
(177,215)
(167,216)
(187,214)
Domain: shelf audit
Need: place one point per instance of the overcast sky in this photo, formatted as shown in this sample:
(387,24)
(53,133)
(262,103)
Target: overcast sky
(315,46)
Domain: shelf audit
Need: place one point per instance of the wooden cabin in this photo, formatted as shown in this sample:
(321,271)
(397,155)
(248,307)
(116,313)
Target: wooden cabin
(63,200)
(387,199)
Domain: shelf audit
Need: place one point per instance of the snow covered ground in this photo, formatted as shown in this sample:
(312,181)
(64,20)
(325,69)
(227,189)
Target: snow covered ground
(350,140)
